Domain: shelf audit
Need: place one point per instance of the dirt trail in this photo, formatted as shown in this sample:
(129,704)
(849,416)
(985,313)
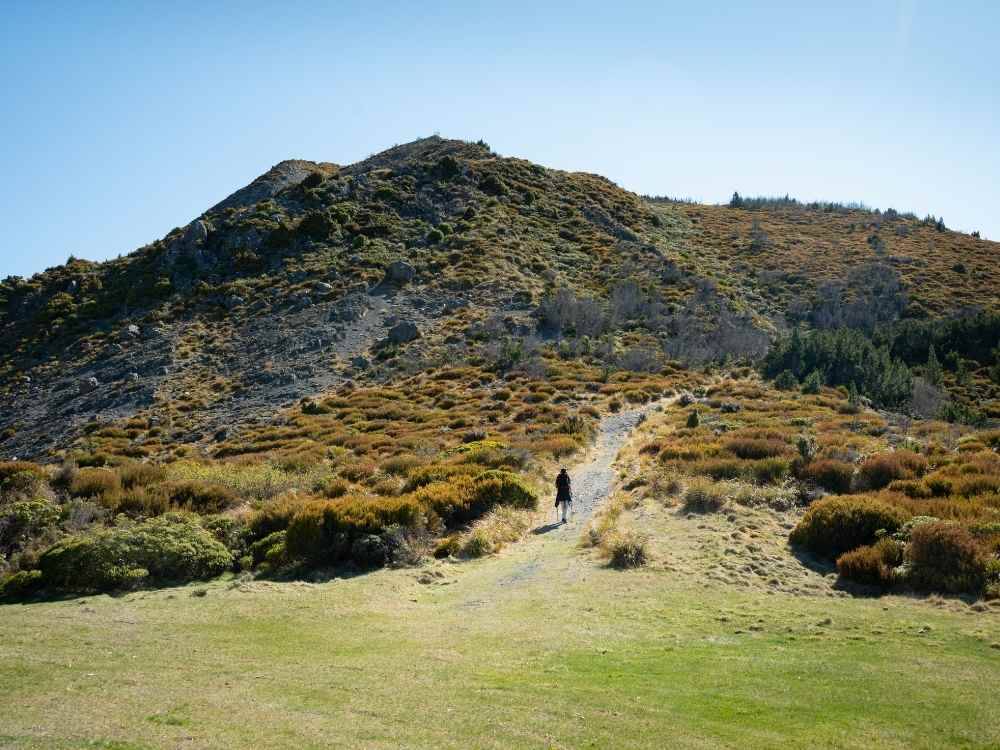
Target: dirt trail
(550,547)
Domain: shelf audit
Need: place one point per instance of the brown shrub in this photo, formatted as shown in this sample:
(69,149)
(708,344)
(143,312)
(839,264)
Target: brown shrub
(202,497)
(135,474)
(871,565)
(95,483)
(946,557)
(830,474)
(558,446)
(881,469)
(754,448)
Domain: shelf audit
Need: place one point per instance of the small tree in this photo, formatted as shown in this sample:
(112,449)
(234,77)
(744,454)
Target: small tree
(933,372)
(736,201)
(812,383)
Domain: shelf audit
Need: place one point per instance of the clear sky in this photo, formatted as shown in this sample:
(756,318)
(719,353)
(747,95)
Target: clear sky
(122,120)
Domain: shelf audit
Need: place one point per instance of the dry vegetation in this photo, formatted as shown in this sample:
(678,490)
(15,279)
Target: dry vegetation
(897,504)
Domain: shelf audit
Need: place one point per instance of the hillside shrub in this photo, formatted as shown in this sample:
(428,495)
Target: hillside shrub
(138,474)
(274,515)
(94,482)
(324,530)
(626,548)
(500,526)
(498,487)
(20,584)
(271,549)
(20,477)
(830,474)
(756,447)
(770,470)
(836,525)
(872,565)
(138,501)
(24,519)
(813,383)
(786,381)
(202,497)
(171,548)
(946,557)
(879,470)
(702,496)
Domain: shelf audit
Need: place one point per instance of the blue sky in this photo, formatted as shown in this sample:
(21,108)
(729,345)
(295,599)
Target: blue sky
(122,120)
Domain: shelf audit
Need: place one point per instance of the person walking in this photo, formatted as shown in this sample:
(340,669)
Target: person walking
(564,496)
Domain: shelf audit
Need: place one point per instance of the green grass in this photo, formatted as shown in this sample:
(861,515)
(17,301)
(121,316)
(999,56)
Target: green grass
(497,653)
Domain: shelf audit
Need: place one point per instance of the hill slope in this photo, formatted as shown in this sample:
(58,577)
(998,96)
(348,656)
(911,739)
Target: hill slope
(284,289)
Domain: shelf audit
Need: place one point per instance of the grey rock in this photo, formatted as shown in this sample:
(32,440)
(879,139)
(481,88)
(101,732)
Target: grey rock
(399,272)
(87,385)
(404,332)
(196,233)
(132,377)
(131,332)
(323,288)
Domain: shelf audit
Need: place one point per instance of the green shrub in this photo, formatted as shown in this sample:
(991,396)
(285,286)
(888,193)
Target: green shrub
(813,383)
(830,474)
(229,531)
(271,548)
(881,469)
(434,236)
(171,548)
(693,419)
(24,519)
(945,557)
(786,381)
(21,584)
(836,525)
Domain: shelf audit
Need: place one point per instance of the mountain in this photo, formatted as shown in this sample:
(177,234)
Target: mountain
(315,275)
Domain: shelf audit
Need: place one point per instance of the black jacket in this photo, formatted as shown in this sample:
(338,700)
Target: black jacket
(562,489)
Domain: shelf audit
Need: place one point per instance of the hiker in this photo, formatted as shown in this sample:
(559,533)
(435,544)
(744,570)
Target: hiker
(563,495)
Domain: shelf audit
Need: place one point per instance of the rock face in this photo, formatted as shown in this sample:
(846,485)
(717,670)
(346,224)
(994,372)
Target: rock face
(404,332)
(399,273)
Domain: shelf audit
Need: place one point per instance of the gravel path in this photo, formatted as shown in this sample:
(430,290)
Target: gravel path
(591,484)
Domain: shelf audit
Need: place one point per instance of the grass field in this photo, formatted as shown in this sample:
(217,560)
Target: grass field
(541,646)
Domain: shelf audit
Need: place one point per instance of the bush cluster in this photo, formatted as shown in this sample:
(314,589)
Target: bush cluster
(836,525)
(173,548)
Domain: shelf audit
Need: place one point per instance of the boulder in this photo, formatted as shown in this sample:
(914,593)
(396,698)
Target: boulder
(131,332)
(87,385)
(196,233)
(404,332)
(399,272)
